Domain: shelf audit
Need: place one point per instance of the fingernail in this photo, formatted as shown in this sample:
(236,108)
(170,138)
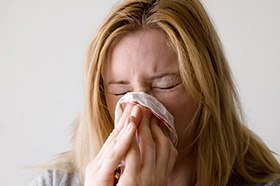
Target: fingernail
(134,110)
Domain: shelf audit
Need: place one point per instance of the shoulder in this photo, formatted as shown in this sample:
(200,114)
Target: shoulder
(56,177)
(273,183)
(238,181)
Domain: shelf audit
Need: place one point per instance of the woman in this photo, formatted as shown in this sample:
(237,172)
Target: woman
(170,50)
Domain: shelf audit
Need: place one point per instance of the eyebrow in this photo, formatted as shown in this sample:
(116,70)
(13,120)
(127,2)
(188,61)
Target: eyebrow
(150,79)
(164,75)
(118,82)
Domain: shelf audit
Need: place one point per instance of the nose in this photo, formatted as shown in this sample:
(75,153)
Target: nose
(140,84)
(146,90)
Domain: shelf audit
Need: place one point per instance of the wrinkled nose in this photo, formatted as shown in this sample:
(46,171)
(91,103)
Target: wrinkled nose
(146,90)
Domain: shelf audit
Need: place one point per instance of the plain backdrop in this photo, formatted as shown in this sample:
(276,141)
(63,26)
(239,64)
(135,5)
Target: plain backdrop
(42,47)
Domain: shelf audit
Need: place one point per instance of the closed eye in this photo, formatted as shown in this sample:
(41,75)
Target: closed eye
(166,88)
(120,94)
(169,87)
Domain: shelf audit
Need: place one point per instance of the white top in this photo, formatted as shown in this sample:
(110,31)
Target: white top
(59,178)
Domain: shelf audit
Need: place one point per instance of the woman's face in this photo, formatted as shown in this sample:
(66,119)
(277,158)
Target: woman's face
(143,61)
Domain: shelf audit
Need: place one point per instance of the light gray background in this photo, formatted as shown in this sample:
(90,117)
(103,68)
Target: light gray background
(42,46)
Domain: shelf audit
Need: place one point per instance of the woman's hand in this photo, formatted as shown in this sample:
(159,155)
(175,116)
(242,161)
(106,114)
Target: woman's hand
(101,170)
(149,159)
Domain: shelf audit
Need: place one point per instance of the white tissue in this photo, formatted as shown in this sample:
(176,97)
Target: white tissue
(150,102)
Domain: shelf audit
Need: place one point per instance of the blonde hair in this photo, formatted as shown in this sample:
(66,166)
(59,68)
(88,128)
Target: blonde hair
(225,148)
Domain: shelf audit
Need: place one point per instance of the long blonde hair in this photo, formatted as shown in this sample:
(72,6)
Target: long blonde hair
(225,147)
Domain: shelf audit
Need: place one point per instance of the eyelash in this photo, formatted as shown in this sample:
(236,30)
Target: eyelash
(165,88)
(120,94)
(168,88)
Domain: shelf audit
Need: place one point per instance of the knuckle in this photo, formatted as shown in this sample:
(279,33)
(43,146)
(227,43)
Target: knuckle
(114,141)
(150,143)
(112,154)
(114,133)
(151,181)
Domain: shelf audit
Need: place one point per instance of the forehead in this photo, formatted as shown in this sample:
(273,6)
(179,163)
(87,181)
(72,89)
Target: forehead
(148,50)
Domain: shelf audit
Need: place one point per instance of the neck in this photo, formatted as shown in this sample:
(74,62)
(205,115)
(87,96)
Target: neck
(184,171)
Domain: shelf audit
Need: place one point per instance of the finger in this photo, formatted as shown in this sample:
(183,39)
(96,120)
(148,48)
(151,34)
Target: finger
(162,146)
(118,147)
(98,160)
(132,164)
(136,112)
(112,153)
(114,137)
(166,151)
(173,154)
(130,110)
(126,113)
(135,117)
(146,142)
(164,128)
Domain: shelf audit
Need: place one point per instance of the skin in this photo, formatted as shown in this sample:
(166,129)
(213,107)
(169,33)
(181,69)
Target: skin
(143,61)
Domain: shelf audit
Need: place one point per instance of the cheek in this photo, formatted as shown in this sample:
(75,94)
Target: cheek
(181,105)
